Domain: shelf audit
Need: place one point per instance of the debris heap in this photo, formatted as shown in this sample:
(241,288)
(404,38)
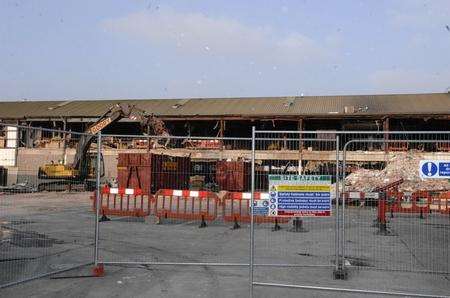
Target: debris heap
(401,165)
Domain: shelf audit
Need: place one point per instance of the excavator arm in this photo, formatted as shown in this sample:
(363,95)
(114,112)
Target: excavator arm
(110,117)
(80,168)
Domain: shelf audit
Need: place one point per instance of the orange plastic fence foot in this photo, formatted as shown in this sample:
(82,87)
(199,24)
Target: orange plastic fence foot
(98,271)
(236,224)
(276,227)
(203,223)
(297,226)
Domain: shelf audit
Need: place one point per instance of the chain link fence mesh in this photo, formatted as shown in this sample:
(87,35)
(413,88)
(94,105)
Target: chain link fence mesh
(187,201)
(46,223)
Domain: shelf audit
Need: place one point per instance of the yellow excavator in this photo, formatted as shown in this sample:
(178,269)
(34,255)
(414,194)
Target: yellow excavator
(82,169)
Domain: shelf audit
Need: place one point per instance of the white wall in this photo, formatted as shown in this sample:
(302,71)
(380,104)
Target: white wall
(11,137)
(7,157)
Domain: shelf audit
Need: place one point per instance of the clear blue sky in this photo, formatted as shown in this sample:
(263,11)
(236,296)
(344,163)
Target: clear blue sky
(227,48)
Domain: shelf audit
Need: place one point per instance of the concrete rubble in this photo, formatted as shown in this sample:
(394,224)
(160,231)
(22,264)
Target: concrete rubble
(401,165)
(23,187)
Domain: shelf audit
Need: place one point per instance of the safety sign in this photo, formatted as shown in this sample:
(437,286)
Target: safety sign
(432,169)
(261,207)
(299,195)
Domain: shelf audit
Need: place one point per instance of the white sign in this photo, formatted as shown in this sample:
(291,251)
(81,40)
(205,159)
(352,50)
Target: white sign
(261,206)
(299,195)
(371,195)
(434,169)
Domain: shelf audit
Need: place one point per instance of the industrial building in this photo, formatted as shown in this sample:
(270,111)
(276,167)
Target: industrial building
(230,118)
(234,117)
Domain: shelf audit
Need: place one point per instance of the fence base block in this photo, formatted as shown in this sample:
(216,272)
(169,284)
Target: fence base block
(383,230)
(341,273)
(236,225)
(104,218)
(421,214)
(378,224)
(203,223)
(297,226)
(158,220)
(276,227)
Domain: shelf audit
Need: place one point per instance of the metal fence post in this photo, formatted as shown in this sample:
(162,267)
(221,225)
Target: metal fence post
(336,234)
(252,236)
(344,165)
(97,195)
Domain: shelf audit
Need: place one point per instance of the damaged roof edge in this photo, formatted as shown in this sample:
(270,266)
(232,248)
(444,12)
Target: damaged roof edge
(289,106)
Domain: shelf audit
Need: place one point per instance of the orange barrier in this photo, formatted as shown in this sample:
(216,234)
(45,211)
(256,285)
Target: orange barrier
(236,208)
(186,205)
(123,202)
(421,202)
(443,202)
(417,202)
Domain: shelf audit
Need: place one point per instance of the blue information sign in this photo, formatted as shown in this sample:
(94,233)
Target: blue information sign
(432,169)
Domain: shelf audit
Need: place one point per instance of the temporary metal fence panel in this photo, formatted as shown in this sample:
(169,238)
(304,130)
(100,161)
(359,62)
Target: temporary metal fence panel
(298,249)
(46,222)
(395,220)
(180,181)
(402,250)
(189,201)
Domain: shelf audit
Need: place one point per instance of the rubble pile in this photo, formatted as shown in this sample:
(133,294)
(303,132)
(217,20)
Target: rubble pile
(400,165)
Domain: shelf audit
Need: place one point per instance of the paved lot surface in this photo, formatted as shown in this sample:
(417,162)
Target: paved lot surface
(44,232)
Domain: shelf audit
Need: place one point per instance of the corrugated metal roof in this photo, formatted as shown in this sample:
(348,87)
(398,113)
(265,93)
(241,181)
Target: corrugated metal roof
(401,104)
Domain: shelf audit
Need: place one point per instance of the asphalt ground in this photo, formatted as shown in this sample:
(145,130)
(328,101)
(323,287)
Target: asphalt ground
(45,232)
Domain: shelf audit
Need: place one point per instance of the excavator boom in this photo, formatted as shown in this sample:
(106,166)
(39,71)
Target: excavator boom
(80,168)
(111,116)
